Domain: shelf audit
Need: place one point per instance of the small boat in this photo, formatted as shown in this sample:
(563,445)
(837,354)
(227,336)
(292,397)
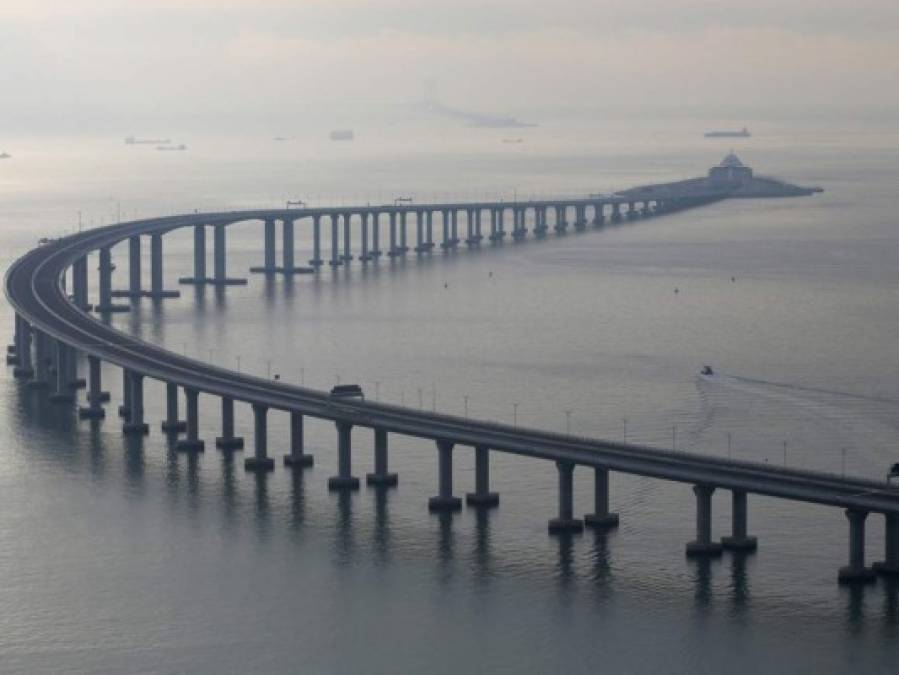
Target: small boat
(739,133)
(707,371)
(172,148)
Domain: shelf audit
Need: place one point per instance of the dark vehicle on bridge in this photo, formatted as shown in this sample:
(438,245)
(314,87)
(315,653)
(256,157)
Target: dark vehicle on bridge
(347,391)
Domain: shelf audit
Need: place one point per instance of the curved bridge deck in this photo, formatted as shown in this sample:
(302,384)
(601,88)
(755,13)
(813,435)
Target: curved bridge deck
(44,310)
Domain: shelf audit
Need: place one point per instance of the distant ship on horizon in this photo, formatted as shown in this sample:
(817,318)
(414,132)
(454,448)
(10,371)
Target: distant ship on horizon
(342,135)
(172,147)
(741,133)
(131,140)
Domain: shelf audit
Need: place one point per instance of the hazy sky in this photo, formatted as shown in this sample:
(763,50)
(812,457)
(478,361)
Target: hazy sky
(117,63)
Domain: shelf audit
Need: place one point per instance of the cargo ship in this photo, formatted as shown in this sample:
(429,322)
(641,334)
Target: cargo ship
(131,140)
(741,133)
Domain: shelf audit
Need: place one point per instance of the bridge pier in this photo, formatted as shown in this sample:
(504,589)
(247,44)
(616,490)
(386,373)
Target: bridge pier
(519,231)
(192,442)
(890,564)
(364,257)
(403,247)
(297,457)
(597,215)
(703,546)
(392,251)
(199,276)
(381,476)
(454,228)
(316,260)
(376,235)
(856,572)
(63,392)
(228,441)
(95,394)
(79,284)
(347,255)
(419,233)
(580,218)
(268,262)
(105,305)
(125,407)
(482,495)
(444,501)
(135,423)
(344,480)
(171,424)
(560,225)
(41,361)
(156,278)
(601,518)
(260,461)
(429,230)
(616,213)
(445,229)
(335,246)
(219,259)
(23,366)
(565,522)
(739,539)
(540,227)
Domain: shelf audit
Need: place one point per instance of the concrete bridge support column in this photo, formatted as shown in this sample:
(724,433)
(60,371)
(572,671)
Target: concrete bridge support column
(492,236)
(381,476)
(444,222)
(482,495)
(228,441)
(344,480)
(171,424)
(392,252)
(739,539)
(260,461)
(79,283)
(74,381)
(135,424)
(566,522)
(192,442)
(601,518)
(375,235)
(125,407)
(105,281)
(429,230)
(24,367)
(856,572)
(616,213)
(703,544)
(454,228)
(93,410)
(890,564)
(403,247)
(316,260)
(539,221)
(157,289)
(419,233)
(41,360)
(220,259)
(520,231)
(297,457)
(444,501)
(347,256)
(287,245)
(560,225)
(134,262)
(63,392)
(580,223)
(597,215)
(365,257)
(269,244)
(199,276)
(335,241)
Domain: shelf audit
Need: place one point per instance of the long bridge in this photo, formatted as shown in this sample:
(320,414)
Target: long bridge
(48,288)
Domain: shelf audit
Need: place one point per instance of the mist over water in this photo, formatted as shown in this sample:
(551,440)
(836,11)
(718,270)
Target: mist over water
(122,556)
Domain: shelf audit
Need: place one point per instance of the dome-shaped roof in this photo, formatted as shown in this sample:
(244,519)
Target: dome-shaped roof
(732,161)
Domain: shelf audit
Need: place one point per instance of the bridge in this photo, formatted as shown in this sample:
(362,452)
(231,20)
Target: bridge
(54,326)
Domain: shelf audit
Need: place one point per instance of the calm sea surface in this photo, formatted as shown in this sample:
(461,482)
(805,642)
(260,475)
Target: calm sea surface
(120,556)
